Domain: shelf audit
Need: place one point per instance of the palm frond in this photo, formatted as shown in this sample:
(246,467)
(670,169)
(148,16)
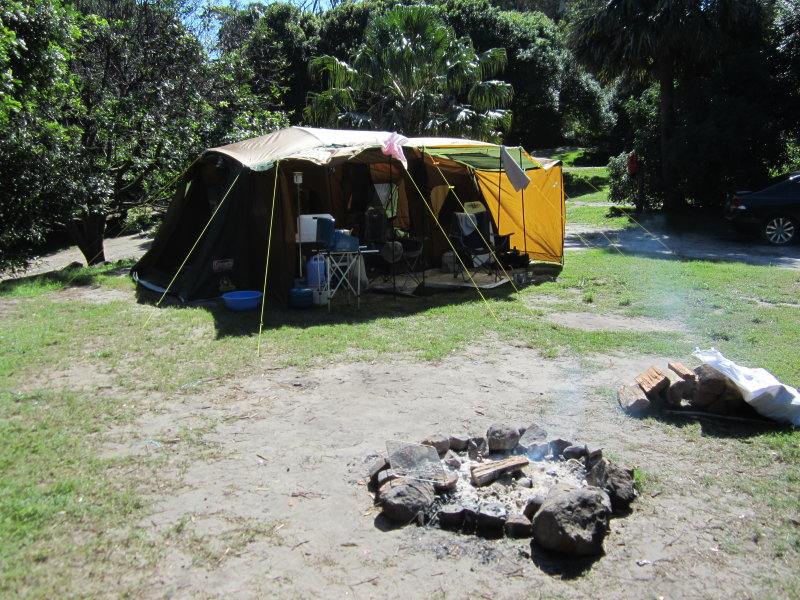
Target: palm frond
(487,95)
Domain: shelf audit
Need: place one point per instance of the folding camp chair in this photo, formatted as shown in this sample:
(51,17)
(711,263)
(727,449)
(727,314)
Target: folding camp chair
(400,255)
(476,243)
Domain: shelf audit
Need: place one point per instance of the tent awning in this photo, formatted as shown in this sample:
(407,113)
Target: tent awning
(323,146)
(484,158)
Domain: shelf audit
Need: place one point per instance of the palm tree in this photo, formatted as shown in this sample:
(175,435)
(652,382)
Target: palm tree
(414,76)
(657,40)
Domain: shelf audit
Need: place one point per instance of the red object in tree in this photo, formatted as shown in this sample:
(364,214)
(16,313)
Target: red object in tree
(634,166)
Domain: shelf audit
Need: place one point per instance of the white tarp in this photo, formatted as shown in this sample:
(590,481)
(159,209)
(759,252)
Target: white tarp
(760,388)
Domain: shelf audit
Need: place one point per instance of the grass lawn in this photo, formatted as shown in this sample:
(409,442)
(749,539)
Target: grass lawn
(59,495)
(587,184)
(81,356)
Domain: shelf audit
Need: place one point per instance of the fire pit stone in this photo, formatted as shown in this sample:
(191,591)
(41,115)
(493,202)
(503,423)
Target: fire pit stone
(502,437)
(518,526)
(615,480)
(403,499)
(384,476)
(452,460)
(533,505)
(573,521)
(558,446)
(451,516)
(448,485)
(492,517)
(440,442)
(477,447)
(532,435)
(575,451)
(376,466)
(459,442)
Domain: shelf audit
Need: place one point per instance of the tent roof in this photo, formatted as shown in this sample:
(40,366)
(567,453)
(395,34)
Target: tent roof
(321,146)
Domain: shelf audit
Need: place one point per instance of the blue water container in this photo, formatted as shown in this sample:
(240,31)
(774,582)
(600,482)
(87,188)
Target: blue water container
(316,271)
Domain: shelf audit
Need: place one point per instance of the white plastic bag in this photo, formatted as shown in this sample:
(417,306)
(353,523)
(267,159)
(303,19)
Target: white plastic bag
(759,387)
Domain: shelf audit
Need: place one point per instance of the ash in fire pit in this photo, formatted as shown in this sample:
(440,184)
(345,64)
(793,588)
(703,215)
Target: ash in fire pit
(512,482)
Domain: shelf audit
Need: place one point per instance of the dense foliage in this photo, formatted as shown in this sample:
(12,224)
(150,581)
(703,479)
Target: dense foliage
(721,75)
(36,41)
(387,86)
(103,102)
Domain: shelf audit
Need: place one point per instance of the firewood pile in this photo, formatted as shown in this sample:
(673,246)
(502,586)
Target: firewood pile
(678,388)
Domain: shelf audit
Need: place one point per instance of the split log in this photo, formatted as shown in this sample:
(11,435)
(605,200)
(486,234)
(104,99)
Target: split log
(652,381)
(682,371)
(676,390)
(688,375)
(486,473)
(632,399)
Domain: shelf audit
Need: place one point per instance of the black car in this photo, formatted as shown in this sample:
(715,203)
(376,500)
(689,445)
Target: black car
(773,213)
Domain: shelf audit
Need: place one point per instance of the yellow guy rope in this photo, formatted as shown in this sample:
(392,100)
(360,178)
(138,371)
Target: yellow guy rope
(439,225)
(197,241)
(266,265)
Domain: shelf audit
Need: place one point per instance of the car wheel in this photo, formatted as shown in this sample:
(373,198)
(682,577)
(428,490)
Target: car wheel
(779,230)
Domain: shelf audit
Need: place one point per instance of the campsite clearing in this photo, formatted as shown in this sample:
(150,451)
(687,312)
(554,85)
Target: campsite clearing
(168,461)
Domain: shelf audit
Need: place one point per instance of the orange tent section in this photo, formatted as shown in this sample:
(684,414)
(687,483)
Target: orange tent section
(535,215)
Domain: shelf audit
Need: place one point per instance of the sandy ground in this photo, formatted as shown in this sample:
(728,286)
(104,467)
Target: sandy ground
(270,500)
(256,487)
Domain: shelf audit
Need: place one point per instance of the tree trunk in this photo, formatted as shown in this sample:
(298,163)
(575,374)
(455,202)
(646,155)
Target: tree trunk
(87,233)
(673,199)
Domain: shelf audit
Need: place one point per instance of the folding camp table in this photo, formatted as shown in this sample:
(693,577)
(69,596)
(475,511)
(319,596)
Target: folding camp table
(342,269)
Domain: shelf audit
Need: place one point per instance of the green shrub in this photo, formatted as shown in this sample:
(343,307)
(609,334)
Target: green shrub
(622,188)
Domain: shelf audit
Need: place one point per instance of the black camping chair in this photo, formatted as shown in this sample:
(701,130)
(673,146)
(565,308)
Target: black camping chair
(476,244)
(399,255)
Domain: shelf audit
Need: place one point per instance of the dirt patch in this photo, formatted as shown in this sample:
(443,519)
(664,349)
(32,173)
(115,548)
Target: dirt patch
(265,478)
(603,322)
(123,247)
(93,294)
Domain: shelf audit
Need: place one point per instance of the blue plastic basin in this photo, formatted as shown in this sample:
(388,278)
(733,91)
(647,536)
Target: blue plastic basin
(242,300)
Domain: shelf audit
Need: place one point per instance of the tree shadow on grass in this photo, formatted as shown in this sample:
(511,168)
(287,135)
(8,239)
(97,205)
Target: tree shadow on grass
(686,237)
(74,275)
(743,425)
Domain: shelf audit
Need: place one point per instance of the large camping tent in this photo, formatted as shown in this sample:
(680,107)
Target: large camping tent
(235,209)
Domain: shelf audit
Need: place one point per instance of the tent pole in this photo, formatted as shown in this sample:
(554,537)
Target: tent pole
(299,245)
(499,179)
(394,235)
(524,223)
(266,262)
